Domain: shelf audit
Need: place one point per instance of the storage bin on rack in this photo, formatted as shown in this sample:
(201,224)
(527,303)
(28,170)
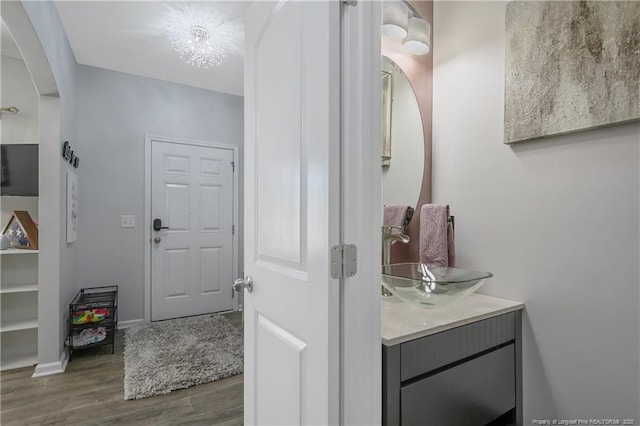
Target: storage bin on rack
(93,318)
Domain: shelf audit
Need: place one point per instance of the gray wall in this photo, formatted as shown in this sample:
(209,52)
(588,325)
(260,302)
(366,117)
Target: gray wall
(115,111)
(57,260)
(556,221)
(18,90)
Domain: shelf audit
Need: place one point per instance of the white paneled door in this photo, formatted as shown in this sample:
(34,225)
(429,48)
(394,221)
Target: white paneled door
(192,225)
(292,216)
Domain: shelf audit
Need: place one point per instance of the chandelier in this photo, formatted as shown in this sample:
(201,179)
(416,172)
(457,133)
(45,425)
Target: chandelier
(198,38)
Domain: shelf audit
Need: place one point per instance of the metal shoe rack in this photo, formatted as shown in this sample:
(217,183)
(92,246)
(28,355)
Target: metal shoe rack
(91,300)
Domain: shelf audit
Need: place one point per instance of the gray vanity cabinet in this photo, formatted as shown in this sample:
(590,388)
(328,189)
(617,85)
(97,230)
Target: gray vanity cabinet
(465,376)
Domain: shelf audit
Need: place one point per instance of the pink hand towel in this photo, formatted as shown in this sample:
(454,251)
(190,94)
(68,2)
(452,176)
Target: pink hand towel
(398,216)
(436,235)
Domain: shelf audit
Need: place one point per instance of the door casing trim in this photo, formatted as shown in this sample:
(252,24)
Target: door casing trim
(146,219)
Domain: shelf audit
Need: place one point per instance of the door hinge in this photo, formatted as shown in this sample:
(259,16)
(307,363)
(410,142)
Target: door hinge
(344,261)
(233,166)
(233,230)
(351,3)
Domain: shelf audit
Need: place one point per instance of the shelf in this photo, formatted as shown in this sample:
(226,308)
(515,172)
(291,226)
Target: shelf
(18,288)
(18,251)
(18,326)
(19,293)
(27,361)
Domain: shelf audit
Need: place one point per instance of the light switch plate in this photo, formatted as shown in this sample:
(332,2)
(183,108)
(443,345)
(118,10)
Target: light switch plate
(127,221)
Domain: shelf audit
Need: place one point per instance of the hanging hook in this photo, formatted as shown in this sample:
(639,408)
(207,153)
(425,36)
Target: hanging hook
(10,109)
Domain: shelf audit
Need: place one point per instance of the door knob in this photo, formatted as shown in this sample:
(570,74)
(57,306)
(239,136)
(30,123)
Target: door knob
(247,283)
(157,240)
(157,225)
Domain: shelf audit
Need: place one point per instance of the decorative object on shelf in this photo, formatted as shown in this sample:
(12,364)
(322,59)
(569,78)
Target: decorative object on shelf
(69,155)
(570,66)
(400,21)
(5,242)
(21,231)
(72,207)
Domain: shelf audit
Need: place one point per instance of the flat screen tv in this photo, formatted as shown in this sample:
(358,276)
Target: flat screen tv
(19,171)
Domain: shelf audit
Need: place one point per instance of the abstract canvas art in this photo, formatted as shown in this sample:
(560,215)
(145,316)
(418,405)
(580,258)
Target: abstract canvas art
(570,66)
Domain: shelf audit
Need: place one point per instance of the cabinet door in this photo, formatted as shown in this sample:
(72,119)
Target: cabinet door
(473,393)
(429,353)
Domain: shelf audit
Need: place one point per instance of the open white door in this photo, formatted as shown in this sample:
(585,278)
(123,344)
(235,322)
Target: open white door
(292,195)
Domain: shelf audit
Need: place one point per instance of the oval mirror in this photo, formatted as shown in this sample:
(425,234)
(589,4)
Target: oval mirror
(403,138)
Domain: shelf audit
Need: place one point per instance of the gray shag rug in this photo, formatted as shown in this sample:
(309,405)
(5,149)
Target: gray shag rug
(175,354)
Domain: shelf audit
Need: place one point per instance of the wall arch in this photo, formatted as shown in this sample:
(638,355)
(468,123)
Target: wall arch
(51,357)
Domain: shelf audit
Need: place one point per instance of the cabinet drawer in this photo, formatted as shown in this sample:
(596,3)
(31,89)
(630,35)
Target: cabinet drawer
(438,350)
(473,393)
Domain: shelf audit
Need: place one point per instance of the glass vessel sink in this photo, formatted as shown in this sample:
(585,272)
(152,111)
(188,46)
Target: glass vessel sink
(430,287)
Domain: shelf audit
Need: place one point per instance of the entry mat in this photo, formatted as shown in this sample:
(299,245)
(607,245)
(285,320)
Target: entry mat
(163,356)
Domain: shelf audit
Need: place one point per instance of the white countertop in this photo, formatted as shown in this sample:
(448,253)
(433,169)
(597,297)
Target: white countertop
(403,321)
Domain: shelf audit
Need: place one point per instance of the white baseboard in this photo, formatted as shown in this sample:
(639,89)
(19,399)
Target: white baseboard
(130,323)
(59,366)
(50,368)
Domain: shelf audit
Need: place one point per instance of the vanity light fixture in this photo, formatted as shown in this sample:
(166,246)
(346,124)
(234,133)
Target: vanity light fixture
(418,37)
(395,19)
(198,38)
(400,21)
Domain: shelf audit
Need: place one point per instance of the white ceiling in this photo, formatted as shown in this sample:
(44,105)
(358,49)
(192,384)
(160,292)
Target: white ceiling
(130,36)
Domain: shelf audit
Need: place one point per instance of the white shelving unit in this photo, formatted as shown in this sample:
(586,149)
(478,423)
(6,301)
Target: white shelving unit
(19,325)
(19,308)
(18,288)
(19,267)
(14,251)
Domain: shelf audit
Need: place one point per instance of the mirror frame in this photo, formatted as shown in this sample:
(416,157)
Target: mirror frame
(419,72)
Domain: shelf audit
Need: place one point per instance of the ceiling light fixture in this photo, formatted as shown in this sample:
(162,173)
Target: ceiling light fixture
(395,19)
(400,21)
(418,37)
(198,38)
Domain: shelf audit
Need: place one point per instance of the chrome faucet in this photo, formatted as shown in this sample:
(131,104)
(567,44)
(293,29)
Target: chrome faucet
(388,238)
